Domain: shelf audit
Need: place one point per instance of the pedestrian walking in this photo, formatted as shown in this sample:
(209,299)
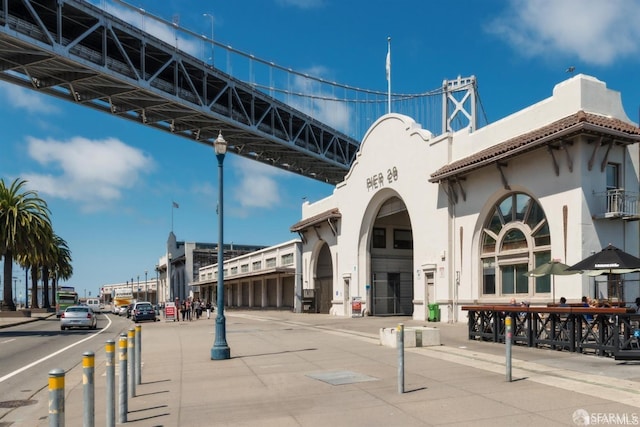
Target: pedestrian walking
(208,307)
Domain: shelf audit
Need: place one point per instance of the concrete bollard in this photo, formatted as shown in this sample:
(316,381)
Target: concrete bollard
(400,358)
(56,398)
(110,350)
(138,354)
(123,404)
(131,354)
(88,389)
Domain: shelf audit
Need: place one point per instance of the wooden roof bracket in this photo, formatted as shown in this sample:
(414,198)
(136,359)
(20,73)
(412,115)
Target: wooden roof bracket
(315,228)
(556,168)
(501,166)
(596,147)
(302,236)
(462,192)
(331,225)
(603,165)
(564,145)
(450,191)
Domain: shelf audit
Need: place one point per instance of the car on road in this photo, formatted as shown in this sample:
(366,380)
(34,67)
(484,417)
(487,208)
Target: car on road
(143,311)
(122,310)
(94,303)
(78,316)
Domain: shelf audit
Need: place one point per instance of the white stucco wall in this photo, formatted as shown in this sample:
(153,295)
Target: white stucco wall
(397,157)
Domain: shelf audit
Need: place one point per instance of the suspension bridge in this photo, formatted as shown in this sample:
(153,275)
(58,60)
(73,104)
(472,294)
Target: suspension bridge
(121,60)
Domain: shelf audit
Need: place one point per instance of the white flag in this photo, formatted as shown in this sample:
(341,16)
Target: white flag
(388,64)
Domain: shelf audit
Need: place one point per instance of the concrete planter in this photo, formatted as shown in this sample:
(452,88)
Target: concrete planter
(413,337)
(17,313)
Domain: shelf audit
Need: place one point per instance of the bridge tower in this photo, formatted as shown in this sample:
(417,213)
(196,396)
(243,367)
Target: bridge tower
(459,104)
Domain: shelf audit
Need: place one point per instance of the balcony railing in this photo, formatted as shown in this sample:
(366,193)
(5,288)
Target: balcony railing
(618,204)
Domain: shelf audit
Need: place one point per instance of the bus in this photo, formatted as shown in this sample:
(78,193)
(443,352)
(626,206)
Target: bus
(65,296)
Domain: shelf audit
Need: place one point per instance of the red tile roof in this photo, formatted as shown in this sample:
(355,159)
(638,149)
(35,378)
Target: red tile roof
(580,122)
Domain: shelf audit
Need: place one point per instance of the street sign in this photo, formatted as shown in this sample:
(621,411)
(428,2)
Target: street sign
(170,311)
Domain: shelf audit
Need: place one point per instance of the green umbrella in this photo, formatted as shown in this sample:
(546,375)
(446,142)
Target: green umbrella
(553,268)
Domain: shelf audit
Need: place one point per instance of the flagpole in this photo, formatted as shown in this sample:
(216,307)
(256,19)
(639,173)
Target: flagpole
(388,74)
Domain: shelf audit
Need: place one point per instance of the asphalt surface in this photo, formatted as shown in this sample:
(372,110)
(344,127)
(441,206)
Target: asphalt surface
(291,369)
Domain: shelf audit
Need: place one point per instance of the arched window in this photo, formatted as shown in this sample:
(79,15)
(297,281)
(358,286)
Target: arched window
(515,239)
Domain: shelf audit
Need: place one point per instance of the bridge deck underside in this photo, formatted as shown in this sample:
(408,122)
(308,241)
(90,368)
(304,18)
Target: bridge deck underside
(75,51)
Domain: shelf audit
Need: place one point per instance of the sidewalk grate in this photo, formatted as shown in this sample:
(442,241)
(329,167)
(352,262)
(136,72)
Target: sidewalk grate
(341,377)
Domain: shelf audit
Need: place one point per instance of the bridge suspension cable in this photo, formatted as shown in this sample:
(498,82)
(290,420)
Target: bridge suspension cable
(347,108)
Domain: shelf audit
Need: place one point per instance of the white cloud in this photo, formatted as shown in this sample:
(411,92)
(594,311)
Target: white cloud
(594,31)
(25,99)
(256,185)
(302,4)
(91,172)
(318,102)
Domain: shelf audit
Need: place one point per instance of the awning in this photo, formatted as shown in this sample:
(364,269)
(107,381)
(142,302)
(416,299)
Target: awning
(332,214)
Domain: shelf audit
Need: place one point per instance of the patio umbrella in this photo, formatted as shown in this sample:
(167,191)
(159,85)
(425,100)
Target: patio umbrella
(553,268)
(610,260)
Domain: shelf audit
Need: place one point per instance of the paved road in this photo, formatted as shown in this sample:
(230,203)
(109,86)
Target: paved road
(314,370)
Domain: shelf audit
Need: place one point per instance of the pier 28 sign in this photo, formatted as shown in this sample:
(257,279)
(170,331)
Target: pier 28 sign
(378,180)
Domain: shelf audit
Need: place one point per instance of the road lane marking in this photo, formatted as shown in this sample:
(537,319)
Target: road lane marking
(6,341)
(37,362)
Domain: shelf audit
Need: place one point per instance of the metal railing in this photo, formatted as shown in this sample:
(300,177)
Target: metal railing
(618,203)
(605,332)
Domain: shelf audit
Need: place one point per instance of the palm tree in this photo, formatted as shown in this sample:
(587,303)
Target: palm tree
(23,215)
(34,259)
(61,269)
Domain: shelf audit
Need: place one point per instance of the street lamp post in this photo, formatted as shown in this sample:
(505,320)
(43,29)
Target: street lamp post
(132,291)
(146,286)
(210,16)
(169,282)
(220,349)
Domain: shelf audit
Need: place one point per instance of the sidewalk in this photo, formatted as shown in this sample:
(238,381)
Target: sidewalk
(315,370)
(6,322)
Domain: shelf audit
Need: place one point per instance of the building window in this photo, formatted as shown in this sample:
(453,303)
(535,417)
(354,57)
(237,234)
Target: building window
(286,259)
(244,268)
(613,176)
(257,265)
(270,262)
(515,239)
(402,239)
(488,276)
(234,270)
(379,240)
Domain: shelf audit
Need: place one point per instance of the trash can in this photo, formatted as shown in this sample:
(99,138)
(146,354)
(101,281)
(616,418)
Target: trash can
(434,313)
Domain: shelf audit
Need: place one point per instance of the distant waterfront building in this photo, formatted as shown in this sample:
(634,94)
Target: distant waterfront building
(179,268)
(266,279)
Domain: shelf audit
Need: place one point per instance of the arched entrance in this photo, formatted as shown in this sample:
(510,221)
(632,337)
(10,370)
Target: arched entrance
(323,280)
(391,256)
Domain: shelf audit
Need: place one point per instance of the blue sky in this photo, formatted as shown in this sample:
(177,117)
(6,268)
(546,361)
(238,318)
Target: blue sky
(110,183)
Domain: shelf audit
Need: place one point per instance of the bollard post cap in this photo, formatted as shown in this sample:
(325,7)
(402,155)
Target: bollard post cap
(56,372)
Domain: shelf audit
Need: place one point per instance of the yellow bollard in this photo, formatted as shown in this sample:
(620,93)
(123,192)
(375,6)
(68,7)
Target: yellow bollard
(56,398)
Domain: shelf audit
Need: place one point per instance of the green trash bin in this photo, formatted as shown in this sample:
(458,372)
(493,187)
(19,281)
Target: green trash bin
(434,313)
